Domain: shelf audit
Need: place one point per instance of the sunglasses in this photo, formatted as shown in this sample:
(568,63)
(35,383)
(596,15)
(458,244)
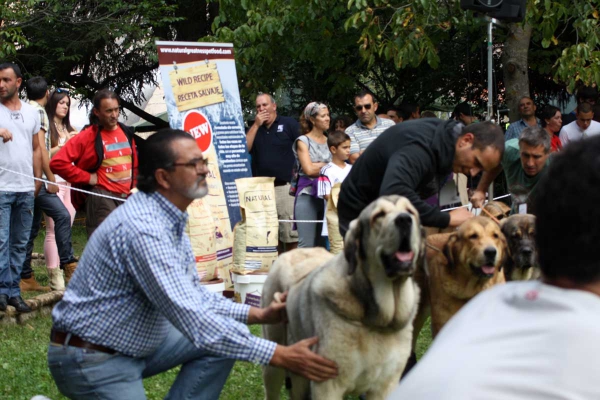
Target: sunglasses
(59,90)
(366,107)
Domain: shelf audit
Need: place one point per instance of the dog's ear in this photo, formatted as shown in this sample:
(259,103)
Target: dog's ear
(506,255)
(353,246)
(448,249)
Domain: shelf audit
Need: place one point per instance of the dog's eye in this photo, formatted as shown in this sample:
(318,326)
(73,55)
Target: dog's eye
(516,235)
(474,236)
(380,214)
(496,236)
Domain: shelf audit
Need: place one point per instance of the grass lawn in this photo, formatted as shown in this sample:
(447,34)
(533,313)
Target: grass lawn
(23,356)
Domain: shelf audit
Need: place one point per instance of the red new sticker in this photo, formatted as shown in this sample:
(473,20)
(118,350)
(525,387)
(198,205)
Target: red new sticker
(197,125)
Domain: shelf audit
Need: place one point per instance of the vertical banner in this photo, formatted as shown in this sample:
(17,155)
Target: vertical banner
(203,98)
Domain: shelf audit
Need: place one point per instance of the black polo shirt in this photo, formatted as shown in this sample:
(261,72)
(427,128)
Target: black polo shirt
(272,153)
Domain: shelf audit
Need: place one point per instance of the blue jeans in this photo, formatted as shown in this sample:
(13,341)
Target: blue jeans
(89,374)
(16,213)
(53,207)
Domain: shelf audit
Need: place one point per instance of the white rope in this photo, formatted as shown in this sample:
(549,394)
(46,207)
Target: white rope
(304,221)
(63,185)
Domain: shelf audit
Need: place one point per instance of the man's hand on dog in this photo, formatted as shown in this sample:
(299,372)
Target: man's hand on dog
(273,314)
(299,359)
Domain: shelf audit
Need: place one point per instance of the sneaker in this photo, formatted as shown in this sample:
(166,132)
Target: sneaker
(19,305)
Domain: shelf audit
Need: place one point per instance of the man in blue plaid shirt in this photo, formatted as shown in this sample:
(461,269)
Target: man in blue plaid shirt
(134,307)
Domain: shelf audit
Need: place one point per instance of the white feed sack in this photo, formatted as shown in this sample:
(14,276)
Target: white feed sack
(336,241)
(201,231)
(256,236)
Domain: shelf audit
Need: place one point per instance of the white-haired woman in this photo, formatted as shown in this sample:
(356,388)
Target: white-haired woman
(312,153)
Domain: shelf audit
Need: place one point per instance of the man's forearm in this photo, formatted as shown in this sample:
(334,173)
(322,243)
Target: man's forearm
(488,177)
(37,162)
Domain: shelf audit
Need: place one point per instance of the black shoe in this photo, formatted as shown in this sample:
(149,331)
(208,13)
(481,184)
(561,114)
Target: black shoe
(19,304)
(3,302)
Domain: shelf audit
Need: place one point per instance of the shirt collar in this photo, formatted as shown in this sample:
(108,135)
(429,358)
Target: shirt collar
(36,104)
(377,124)
(173,214)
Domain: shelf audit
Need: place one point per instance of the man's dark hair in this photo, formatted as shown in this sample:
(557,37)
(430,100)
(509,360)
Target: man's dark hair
(396,109)
(406,110)
(567,232)
(104,94)
(584,108)
(157,153)
(547,113)
(428,114)
(14,67)
(462,108)
(337,138)
(364,93)
(36,88)
(587,93)
(485,135)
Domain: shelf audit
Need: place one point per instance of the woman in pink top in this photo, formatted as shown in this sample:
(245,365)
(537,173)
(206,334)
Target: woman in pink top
(61,131)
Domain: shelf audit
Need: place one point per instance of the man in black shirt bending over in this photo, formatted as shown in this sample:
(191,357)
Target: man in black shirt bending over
(414,159)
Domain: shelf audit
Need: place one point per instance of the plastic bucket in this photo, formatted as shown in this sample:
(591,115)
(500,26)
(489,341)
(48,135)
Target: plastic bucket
(248,288)
(216,286)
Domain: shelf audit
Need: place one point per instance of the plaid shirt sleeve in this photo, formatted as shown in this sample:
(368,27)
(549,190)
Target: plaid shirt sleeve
(158,268)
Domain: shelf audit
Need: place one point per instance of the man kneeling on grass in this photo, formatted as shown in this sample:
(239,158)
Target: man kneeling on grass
(134,307)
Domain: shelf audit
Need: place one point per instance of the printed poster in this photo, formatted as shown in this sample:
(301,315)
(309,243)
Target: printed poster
(203,98)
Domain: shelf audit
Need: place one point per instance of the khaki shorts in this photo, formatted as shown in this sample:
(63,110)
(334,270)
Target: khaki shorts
(285,210)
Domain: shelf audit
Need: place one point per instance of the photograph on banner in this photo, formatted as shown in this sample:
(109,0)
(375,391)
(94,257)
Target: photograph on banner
(202,97)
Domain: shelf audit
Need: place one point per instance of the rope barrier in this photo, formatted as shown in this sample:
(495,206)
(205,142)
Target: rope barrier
(65,186)
(120,199)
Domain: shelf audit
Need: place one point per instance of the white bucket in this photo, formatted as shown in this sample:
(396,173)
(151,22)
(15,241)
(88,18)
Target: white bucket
(215,286)
(248,288)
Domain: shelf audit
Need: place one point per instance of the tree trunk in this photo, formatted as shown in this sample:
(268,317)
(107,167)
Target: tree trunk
(514,62)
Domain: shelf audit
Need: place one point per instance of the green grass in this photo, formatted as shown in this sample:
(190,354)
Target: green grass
(23,355)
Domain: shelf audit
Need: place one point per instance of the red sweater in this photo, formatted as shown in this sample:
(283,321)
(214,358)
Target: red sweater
(82,155)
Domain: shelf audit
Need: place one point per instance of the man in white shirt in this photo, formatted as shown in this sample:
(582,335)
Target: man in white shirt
(537,339)
(583,126)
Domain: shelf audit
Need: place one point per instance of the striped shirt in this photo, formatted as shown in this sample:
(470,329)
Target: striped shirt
(44,122)
(361,136)
(115,172)
(137,274)
(514,130)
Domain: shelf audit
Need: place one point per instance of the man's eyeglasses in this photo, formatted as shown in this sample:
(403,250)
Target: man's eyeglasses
(198,163)
(366,107)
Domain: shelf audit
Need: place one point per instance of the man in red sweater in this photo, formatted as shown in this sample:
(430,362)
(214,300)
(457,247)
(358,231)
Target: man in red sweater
(102,158)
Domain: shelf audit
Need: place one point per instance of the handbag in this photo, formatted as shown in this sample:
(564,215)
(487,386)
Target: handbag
(296,170)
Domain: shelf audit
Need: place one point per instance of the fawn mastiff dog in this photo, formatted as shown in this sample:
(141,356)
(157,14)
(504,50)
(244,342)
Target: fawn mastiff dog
(360,303)
(459,266)
(522,261)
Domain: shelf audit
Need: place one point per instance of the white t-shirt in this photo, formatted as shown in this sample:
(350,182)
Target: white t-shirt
(329,176)
(572,132)
(518,341)
(17,154)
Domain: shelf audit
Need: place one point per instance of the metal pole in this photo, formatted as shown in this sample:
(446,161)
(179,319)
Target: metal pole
(490,106)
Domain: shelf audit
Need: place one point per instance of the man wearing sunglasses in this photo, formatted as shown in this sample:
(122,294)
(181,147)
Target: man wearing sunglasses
(367,127)
(135,307)
(102,158)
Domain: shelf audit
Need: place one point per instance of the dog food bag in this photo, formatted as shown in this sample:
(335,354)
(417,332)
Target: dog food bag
(201,231)
(256,236)
(218,208)
(336,241)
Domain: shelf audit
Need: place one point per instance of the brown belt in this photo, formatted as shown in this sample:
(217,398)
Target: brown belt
(75,341)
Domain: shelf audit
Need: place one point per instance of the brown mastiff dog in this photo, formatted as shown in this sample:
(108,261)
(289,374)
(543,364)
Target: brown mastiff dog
(459,265)
(522,261)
